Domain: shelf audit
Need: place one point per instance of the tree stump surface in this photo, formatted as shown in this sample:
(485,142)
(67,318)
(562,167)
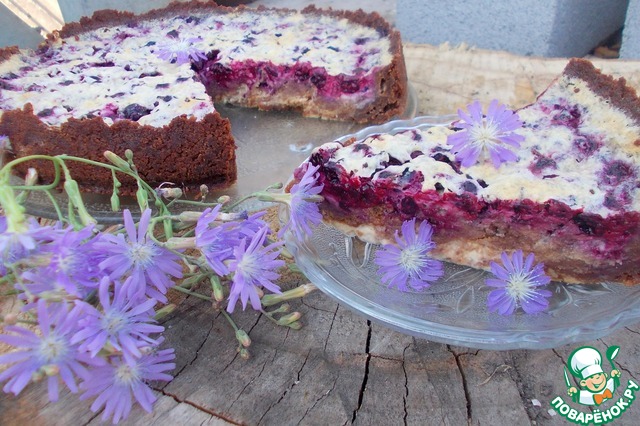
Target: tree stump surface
(340,368)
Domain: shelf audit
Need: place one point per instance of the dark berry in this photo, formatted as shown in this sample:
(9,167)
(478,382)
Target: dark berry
(102,64)
(220,74)
(318,77)
(588,224)
(469,186)
(302,74)
(439,188)
(45,112)
(393,161)
(616,172)
(408,206)
(586,145)
(349,85)
(6,86)
(173,34)
(416,154)
(134,112)
(566,116)
(543,163)
(445,159)
(366,149)
(149,74)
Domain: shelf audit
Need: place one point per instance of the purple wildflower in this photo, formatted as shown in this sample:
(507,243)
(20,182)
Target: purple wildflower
(517,284)
(216,239)
(50,353)
(302,212)
(122,323)
(214,243)
(15,246)
(491,132)
(139,257)
(115,383)
(253,267)
(181,51)
(73,261)
(408,260)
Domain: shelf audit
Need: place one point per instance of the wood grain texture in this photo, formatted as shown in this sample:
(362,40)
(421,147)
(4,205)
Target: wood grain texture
(341,369)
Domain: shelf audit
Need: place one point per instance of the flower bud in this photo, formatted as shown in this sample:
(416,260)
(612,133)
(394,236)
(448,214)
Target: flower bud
(295,325)
(128,154)
(189,282)
(189,216)
(51,370)
(244,353)
(234,216)
(164,311)
(178,243)
(117,161)
(10,319)
(31,178)
(290,318)
(301,291)
(169,192)
(5,144)
(204,191)
(218,292)
(223,199)
(73,192)
(37,376)
(243,338)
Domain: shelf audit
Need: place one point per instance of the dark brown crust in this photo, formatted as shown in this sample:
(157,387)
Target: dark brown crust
(160,154)
(614,90)
(7,52)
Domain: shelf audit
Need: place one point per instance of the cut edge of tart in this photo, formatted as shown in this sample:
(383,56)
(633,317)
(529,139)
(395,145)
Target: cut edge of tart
(571,197)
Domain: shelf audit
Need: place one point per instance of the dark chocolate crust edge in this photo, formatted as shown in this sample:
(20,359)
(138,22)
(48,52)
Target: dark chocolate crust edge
(616,91)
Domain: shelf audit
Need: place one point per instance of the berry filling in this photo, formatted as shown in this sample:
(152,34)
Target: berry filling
(221,78)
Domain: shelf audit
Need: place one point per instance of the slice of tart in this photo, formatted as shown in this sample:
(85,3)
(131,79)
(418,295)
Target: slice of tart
(148,83)
(570,192)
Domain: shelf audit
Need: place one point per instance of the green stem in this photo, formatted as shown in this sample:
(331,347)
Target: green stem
(230,320)
(191,293)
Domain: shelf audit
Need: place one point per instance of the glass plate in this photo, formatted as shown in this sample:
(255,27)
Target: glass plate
(453,310)
(270,144)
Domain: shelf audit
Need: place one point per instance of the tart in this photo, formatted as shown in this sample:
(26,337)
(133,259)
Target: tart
(149,83)
(571,196)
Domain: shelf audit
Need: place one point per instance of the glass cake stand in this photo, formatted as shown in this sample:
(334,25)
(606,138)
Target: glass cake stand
(270,145)
(453,310)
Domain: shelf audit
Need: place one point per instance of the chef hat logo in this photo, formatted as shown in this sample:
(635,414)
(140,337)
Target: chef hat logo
(585,362)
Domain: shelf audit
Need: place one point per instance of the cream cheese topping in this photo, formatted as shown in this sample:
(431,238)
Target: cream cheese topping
(110,68)
(578,150)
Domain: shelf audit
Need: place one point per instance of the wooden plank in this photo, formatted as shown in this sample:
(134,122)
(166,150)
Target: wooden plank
(447,78)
